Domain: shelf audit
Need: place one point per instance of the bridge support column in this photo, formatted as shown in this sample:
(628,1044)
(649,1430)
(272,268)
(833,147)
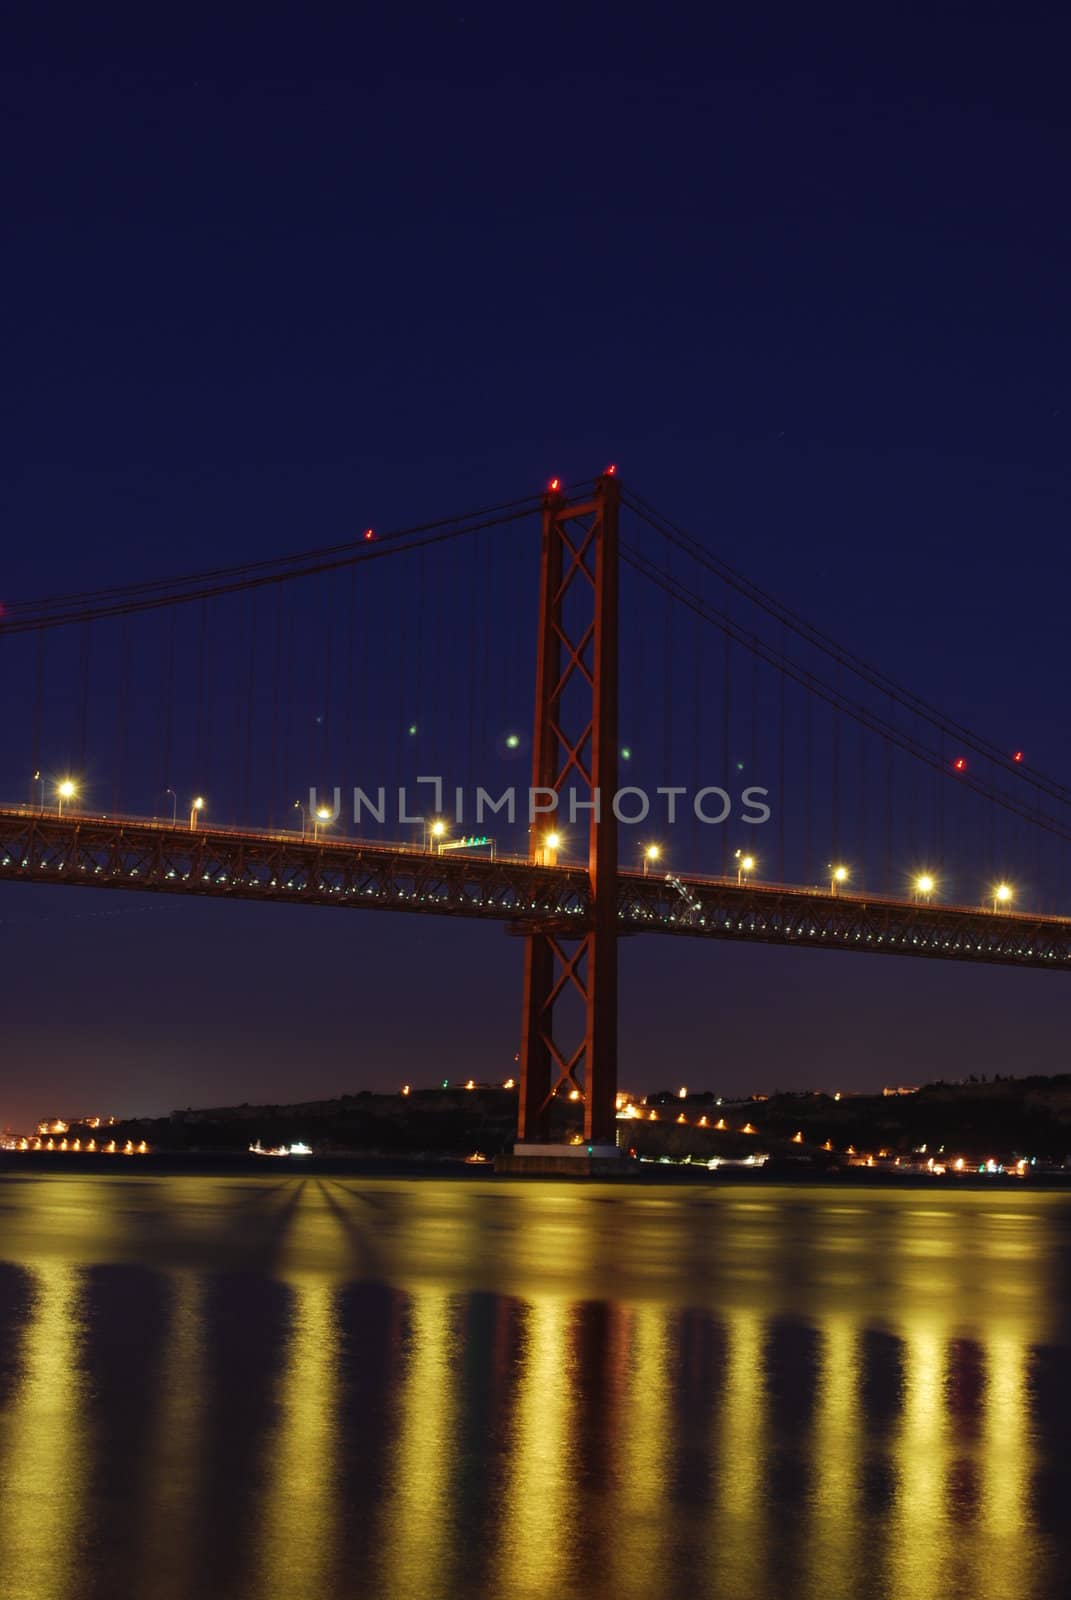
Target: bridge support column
(575,745)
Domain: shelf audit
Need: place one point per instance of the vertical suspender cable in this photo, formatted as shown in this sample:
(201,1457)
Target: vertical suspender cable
(326,776)
(351,695)
(83,708)
(38,713)
(726,718)
(276,690)
(781,775)
(251,680)
(168,719)
(122,711)
(697,745)
(808,788)
(835,821)
(200,752)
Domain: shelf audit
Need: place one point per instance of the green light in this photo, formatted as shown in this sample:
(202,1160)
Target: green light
(446,1083)
(412,729)
(626,753)
(512,741)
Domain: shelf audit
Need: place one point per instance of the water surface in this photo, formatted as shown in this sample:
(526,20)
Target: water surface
(274,1387)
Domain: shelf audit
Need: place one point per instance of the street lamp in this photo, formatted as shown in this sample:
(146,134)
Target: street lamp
(745,866)
(436,832)
(1001,895)
(652,853)
(299,807)
(40,782)
(924,885)
(547,853)
(197,805)
(174,805)
(323,815)
(67,790)
(837,875)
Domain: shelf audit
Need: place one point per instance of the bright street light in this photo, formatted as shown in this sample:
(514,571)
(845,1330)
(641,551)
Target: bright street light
(837,875)
(323,815)
(652,853)
(66,790)
(745,865)
(924,885)
(546,854)
(1001,895)
(196,805)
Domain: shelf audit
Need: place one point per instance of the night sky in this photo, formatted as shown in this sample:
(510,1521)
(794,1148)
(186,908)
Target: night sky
(269,278)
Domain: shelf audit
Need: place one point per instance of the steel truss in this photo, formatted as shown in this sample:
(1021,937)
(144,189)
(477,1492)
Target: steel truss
(162,859)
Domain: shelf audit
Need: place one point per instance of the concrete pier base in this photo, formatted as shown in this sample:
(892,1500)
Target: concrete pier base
(565,1160)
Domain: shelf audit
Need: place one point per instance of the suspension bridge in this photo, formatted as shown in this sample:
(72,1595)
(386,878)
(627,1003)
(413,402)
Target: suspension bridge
(183,735)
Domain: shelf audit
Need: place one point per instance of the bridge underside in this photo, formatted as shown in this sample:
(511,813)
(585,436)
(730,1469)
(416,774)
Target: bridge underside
(162,859)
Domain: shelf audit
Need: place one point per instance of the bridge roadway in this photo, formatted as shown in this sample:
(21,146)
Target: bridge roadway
(96,851)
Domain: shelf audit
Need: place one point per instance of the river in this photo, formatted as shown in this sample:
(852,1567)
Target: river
(283,1386)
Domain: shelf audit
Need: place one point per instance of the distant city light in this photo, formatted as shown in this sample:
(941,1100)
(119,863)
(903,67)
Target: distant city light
(512,741)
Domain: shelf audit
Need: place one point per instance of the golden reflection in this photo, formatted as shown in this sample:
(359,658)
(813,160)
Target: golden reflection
(644,1535)
(414,1552)
(1007,1513)
(918,1543)
(924,1487)
(741,1527)
(44,1468)
(538,1516)
(297,1539)
(836,1480)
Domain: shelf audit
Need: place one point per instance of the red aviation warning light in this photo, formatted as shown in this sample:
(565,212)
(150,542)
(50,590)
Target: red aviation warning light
(960,764)
(554,485)
(368,535)
(1018,756)
(611,469)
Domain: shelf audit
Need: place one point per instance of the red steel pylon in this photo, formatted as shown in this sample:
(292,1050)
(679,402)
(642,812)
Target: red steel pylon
(575,744)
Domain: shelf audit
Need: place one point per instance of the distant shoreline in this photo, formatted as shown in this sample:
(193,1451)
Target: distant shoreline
(240,1164)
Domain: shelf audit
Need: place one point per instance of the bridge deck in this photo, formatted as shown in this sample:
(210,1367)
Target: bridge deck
(230,863)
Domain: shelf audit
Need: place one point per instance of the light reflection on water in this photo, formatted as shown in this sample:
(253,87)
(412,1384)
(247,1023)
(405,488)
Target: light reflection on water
(270,1389)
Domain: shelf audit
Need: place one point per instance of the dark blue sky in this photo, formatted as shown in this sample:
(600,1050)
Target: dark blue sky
(803,276)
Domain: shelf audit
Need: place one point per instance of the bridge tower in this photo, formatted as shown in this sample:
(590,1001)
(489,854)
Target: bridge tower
(575,744)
